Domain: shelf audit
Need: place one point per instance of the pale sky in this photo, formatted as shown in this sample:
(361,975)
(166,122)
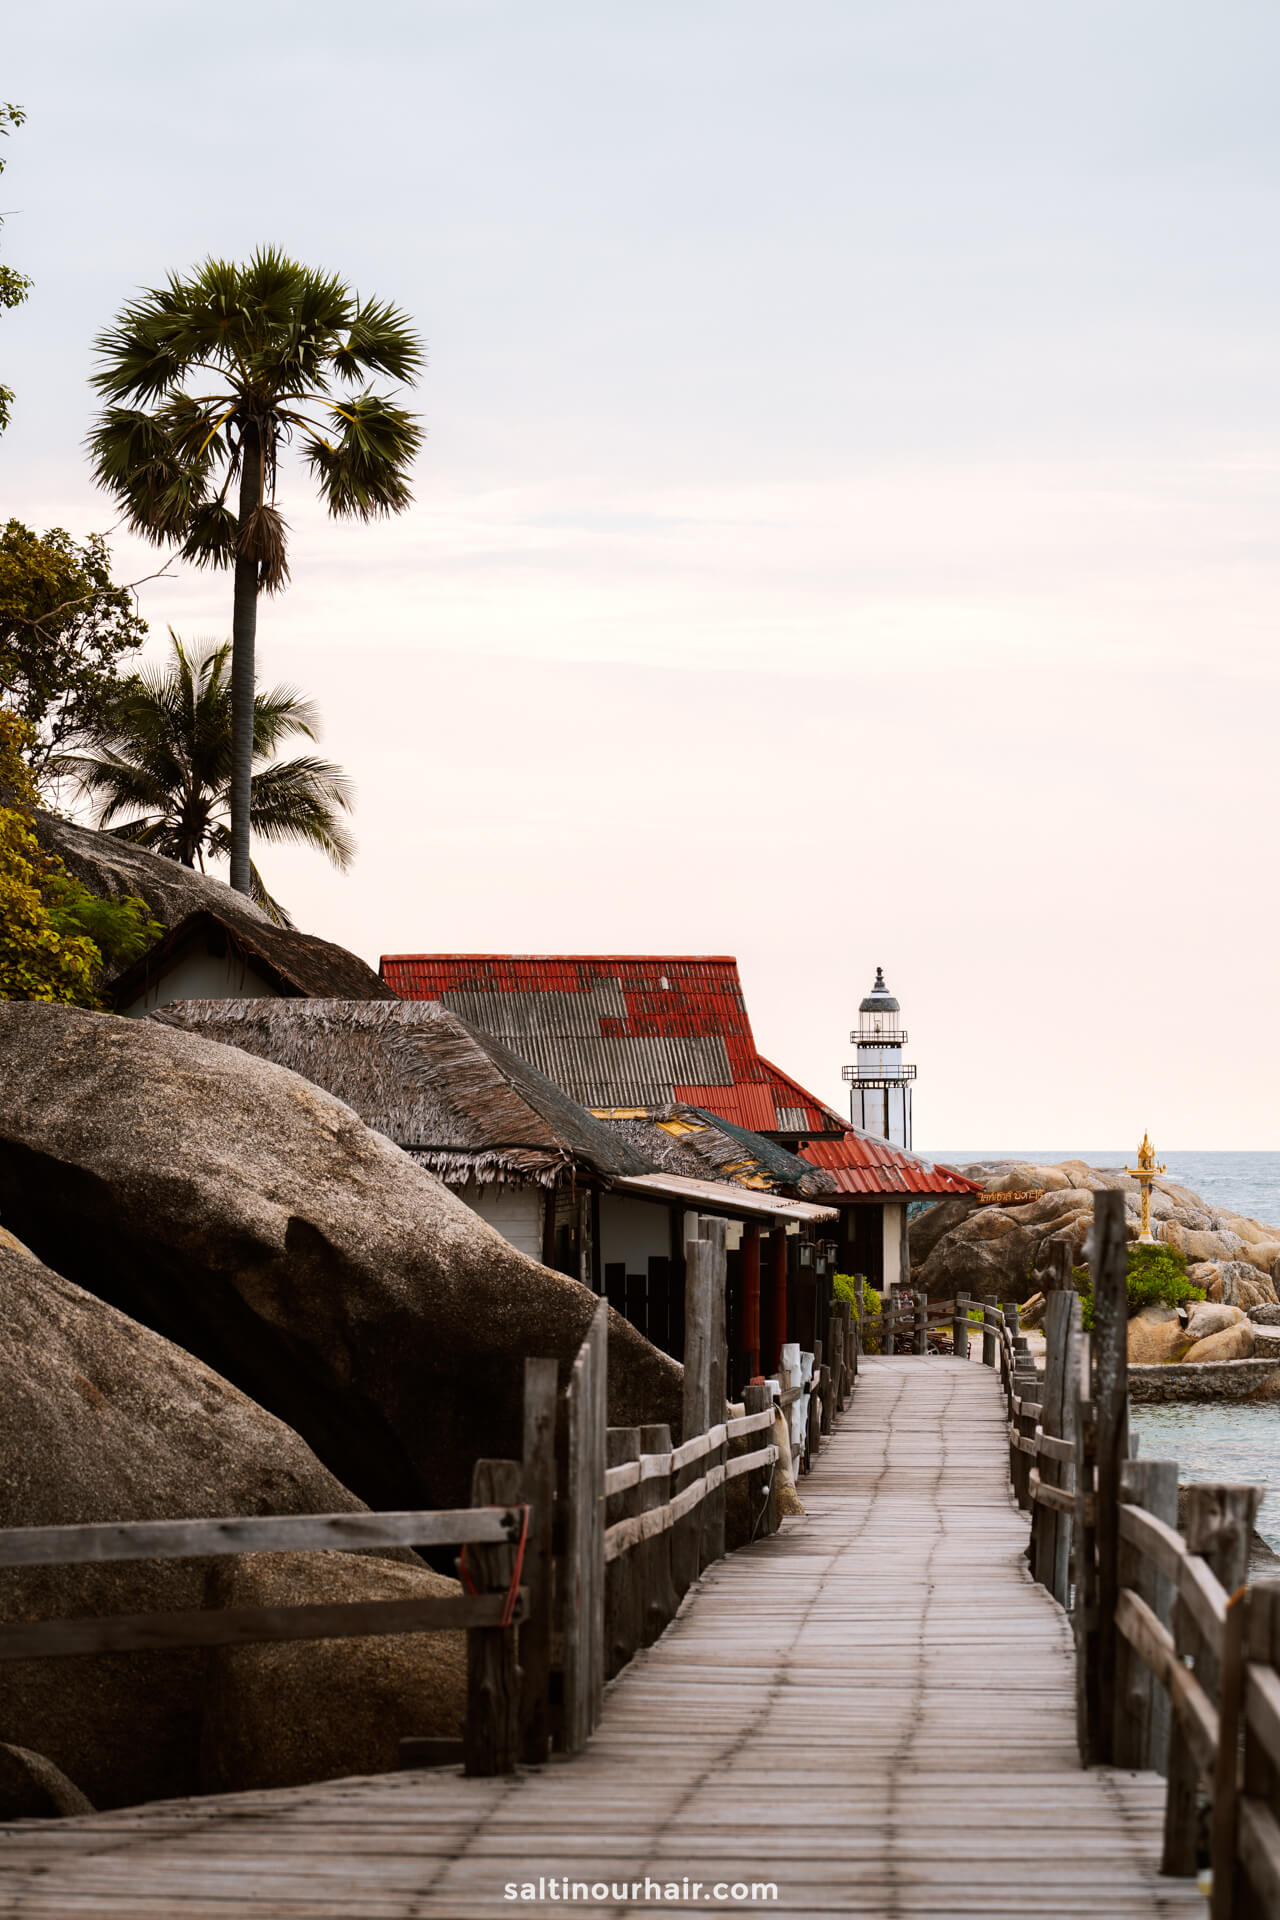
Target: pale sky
(847,529)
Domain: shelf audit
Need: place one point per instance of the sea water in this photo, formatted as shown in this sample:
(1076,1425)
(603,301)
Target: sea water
(1209,1439)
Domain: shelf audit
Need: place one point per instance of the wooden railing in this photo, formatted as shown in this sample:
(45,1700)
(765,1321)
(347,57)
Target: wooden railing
(490,1532)
(1178,1657)
(645,1517)
(574,1556)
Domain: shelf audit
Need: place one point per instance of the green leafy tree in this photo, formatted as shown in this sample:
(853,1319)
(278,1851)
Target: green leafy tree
(161,772)
(206,381)
(64,626)
(14,286)
(55,935)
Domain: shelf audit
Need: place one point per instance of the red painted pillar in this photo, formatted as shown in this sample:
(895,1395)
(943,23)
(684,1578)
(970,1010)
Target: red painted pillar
(751,1298)
(778,1276)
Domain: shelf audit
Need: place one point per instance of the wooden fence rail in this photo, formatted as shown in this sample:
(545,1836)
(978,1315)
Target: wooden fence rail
(573,1557)
(1178,1657)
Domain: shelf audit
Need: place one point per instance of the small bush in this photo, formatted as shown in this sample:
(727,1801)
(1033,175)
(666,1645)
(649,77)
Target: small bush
(1154,1277)
(844,1289)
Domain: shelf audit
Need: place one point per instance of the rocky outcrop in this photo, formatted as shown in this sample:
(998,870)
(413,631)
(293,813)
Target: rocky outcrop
(279,1716)
(1234,1283)
(101,1419)
(1232,1343)
(32,1788)
(1011,1250)
(1205,1317)
(257,1222)
(1156,1338)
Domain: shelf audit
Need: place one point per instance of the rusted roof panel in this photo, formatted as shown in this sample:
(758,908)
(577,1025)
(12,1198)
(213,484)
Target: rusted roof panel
(859,1163)
(622,1029)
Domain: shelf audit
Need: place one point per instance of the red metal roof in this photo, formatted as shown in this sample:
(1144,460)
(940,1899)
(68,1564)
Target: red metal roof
(619,1030)
(860,1163)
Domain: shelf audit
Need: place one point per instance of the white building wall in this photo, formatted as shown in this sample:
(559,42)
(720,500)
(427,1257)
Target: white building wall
(514,1212)
(633,1231)
(201,976)
(897,1258)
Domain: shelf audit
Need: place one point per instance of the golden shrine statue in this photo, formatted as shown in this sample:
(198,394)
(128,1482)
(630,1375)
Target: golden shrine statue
(1144,1173)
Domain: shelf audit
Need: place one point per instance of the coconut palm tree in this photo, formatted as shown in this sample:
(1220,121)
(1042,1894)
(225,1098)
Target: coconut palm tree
(161,768)
(205,381)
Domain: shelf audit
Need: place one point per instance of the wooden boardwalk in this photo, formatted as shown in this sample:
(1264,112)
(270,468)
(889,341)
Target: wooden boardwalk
(873,1710)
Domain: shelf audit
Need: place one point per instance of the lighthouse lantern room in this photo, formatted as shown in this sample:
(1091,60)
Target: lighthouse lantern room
(879,1082)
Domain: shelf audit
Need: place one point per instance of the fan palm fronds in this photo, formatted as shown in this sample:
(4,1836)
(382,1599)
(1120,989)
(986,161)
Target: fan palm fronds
(159,767)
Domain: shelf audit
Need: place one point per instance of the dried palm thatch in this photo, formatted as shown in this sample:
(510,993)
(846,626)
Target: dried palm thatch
(693,1143)
(455,1099)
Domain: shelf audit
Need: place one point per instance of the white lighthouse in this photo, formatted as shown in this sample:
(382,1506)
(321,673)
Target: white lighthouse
(879,1083)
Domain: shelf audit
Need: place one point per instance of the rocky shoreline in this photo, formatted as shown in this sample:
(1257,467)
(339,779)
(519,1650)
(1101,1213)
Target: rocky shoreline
(1012,1250)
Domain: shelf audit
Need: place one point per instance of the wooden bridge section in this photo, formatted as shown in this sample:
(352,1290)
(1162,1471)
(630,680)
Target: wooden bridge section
(872,1710)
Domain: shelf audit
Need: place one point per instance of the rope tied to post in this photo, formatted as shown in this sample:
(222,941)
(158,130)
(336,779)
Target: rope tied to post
(513,1591)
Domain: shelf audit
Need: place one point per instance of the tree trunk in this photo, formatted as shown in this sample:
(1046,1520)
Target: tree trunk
(244,627)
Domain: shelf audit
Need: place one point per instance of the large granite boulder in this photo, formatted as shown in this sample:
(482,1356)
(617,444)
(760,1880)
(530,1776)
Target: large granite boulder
(987,1254)
(1206,1316)
(1232,1343)
(32,1788)
(279,1716)
(258,1222)
(1156,1338)
(1233,1283)
(101,1419)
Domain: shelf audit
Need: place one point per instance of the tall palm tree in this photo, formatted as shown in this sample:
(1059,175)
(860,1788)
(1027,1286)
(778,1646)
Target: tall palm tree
(205,380)
(164,759)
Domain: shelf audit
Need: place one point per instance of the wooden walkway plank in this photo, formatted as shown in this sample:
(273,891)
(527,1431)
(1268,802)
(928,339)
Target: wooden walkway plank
(873,1709)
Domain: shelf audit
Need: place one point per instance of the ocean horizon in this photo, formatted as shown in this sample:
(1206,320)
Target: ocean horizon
(1240,1182)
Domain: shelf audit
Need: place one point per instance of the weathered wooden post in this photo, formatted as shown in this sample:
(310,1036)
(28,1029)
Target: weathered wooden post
(960,1327)
(1022,1426)
(1141,1733)
(539,1494)
(762,1481)
(621,1588)
(1046,1521)
(1219,1525)
(583,1584)
(989,1335)
(1108,1263)
(661,1599)
(1084,1604)
(1064,1549)
(860,1288)
(492,1739)
(922,1321)
(700,1537)
(1261,1766)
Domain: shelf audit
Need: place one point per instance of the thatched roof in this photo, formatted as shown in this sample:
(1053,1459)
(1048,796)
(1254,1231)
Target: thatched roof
(694,1144)
(111,868)
(455,1098)
(295,965)
(193,906)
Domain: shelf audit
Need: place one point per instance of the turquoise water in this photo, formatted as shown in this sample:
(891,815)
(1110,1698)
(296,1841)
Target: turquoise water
(1214,1442)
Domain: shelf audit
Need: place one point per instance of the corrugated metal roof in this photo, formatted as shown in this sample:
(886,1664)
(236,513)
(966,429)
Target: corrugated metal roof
(859,1163)
(618,1030)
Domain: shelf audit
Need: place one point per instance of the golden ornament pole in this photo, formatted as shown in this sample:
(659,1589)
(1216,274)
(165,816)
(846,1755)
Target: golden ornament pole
(1144,1173)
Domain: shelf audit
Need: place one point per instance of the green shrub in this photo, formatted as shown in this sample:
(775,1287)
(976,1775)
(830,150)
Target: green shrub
(1154,1277)
(844,1289)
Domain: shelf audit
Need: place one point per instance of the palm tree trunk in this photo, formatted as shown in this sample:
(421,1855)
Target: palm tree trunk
(244,628)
